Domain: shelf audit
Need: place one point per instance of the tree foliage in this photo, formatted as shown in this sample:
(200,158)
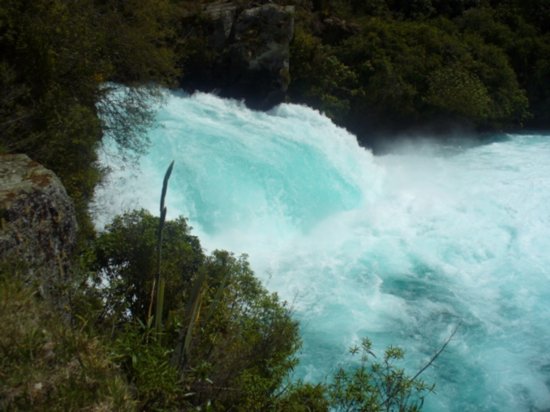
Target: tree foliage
(398,65)
(376,385)
(243,343)
(319,78)
(56,57)
(125,258)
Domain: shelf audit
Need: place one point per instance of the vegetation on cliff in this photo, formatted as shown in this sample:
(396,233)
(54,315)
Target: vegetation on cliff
(381,67)
(390,66)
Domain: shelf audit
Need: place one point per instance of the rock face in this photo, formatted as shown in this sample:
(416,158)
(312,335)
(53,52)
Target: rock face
(248,52)
(37,220)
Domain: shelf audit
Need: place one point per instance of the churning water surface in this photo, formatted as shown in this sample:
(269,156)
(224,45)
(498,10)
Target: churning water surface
(400,248)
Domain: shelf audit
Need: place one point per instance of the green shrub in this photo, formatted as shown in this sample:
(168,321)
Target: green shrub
(376,385)
(126,261)
(145,361)
(242,339)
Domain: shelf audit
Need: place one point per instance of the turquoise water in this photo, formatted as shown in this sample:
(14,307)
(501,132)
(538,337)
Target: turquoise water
(400,247)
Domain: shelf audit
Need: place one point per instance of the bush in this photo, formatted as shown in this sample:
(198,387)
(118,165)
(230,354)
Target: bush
(125,260)
(376,386)
(239,341)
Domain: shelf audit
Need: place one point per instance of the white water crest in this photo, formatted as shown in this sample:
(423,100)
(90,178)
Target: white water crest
(400,248)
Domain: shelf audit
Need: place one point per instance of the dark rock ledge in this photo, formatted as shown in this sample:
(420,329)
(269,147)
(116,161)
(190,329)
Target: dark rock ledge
(37,221)
(246,52)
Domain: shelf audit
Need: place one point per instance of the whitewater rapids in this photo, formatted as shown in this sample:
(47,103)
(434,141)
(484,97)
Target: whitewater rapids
(400,248)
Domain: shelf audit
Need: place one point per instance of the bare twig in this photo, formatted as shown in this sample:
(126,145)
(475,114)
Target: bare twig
(426,366)
(434,357)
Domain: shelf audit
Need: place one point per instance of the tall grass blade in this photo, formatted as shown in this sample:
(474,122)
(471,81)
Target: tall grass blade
(192,311)
(158,282)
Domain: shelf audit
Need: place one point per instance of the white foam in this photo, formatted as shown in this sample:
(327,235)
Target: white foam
(400,247)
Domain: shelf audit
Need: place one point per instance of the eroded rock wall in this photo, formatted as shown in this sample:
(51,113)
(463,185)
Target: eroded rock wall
(246,52)
(38,225)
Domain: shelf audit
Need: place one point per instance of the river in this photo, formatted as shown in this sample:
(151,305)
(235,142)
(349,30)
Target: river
(402,247)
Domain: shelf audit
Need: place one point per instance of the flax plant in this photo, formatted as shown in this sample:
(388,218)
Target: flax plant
(159,282)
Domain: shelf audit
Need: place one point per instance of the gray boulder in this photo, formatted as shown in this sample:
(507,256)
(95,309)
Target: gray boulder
(258,58)
(244,54)
(222,16)
(37,222)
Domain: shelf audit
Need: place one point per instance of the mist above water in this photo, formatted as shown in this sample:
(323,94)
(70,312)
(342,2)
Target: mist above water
(400,248)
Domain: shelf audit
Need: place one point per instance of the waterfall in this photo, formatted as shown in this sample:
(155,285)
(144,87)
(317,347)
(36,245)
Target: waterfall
(400,248)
